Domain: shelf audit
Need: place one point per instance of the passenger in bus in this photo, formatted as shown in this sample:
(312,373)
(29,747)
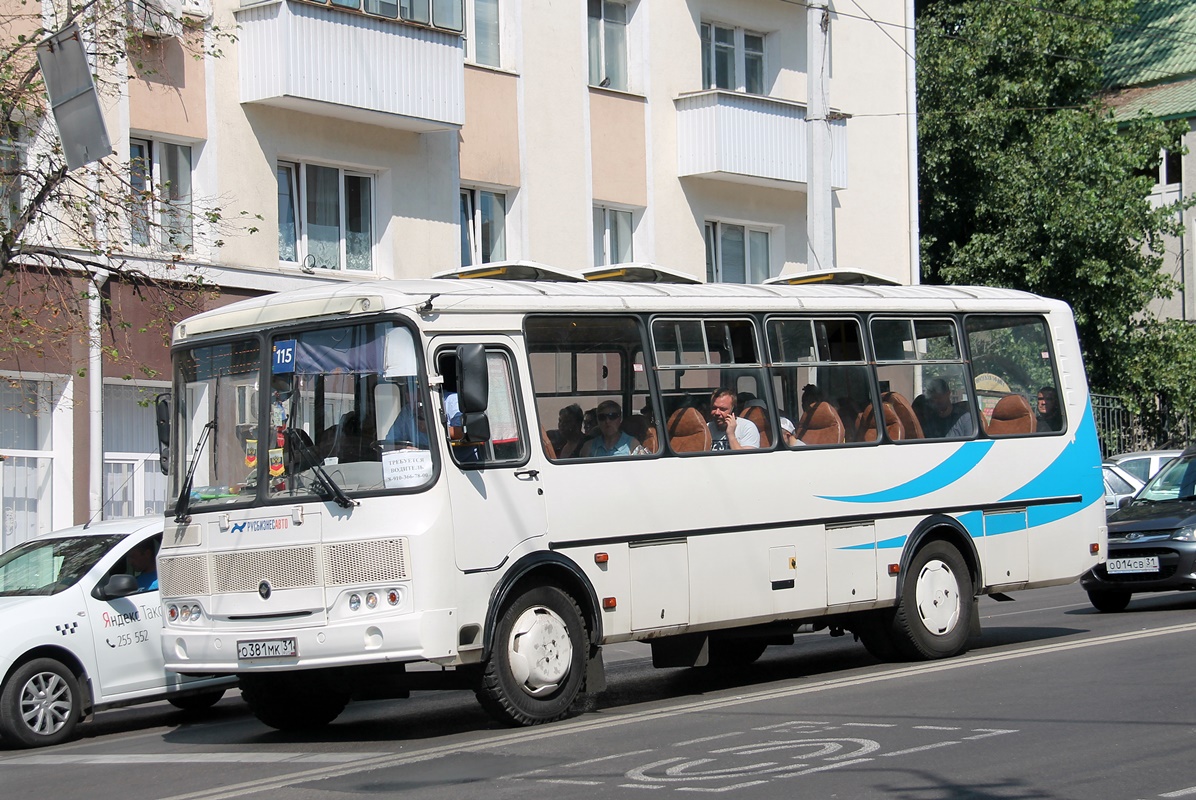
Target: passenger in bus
(611,439)
(811,396)
(589,424)
(726,432)
(569,424)
(789,433)
(742,401)
(1050,416)
(940,417)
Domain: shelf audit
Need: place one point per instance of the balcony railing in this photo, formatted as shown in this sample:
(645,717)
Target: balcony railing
(751,139)
(330,62)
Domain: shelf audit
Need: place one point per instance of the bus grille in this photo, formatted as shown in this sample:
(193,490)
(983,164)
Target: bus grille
(183,576)
(288,568)
(345,564)
(377,561)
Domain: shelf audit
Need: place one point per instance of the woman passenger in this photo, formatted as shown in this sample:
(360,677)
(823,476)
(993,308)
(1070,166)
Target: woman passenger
(611,440)
(569,422)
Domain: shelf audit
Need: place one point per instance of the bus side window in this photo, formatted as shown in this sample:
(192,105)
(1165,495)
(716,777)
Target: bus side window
(506,444)
(1016,378)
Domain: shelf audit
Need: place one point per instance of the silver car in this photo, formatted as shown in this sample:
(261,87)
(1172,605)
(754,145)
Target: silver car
(1119,486)
(1143,465)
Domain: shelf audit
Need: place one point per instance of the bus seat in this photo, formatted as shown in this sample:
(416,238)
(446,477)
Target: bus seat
(688,432)
(821,425)
(757,414)
(905,412)
(866,424)
(650,441)
(549,448)
(1011,416)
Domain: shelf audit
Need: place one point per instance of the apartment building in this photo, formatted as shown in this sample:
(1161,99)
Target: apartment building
(375,139)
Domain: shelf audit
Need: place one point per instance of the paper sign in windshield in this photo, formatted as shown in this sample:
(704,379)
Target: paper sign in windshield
(404,468)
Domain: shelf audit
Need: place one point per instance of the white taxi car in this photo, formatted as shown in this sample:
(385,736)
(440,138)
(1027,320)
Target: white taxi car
(79,632)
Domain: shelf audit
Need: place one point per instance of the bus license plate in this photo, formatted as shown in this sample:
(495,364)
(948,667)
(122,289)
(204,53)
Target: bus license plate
(1141,564)
(267,648)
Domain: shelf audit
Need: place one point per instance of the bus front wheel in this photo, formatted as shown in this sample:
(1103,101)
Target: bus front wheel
(933,610)
(536,669)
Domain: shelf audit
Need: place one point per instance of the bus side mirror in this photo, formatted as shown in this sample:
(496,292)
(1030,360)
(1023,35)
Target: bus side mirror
(473,391)
(162,420)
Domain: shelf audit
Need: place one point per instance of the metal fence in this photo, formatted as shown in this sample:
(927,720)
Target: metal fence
(1120,430)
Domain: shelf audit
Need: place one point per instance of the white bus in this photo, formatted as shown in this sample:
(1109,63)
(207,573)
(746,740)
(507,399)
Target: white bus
(392,485)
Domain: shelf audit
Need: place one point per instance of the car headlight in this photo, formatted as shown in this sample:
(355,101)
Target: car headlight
(1187,534)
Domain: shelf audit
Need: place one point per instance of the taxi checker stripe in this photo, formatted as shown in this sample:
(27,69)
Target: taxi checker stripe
(67,628)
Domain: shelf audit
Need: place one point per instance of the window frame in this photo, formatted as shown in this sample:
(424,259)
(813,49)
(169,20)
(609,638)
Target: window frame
(740,54)
(471,234)
(597,34)
(714,255)
(12,163)
(471,34)
(299,202)
(152,204)
(603,241)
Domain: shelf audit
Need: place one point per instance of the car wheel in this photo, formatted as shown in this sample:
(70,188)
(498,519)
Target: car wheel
(934,606)
(536,669)
(40,704)
(1109,602)
(197,702)
(293,701)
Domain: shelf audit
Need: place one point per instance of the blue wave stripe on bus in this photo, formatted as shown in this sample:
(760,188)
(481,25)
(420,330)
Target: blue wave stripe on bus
(1075,471)
(950,470)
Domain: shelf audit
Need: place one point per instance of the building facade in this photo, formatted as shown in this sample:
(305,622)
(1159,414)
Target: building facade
(376,139)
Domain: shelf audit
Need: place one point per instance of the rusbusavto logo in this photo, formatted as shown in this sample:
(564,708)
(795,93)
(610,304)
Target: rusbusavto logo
(256,525)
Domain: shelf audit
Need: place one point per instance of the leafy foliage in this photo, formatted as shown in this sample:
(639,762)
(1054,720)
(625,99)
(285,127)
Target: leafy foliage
(1027,182)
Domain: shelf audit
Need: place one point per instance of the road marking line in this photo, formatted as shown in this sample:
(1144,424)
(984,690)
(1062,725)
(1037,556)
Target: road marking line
(639,786)
(569,782)
(936,728)
(706,739)
(987,732)
(918,749)
(1181,792)
(723,789)
(869,725)
(601,721)
(190,758)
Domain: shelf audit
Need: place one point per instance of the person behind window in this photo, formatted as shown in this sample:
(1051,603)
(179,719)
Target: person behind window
(940,417)
(789,433)
(743,400)
(811,396)
(143,566)
(611,439)
(1050,416)
(589,425)
(569,425)
(727,431)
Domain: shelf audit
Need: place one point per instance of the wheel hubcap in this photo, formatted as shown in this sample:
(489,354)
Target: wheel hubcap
(540,651)
(938,598)
(45,703)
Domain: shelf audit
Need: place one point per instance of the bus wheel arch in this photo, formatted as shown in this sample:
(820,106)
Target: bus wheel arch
(540,643)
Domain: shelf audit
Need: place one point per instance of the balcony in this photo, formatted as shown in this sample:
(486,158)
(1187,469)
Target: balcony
(751,139)
(333,63)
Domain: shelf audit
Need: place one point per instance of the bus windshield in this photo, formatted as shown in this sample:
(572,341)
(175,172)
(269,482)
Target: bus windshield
(343,413)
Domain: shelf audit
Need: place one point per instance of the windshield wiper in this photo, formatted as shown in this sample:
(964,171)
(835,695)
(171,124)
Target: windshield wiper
(183,504)
(307,458)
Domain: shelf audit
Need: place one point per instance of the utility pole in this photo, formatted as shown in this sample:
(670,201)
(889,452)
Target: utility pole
(820,231)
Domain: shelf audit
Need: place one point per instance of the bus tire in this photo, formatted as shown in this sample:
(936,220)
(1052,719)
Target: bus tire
(40,704)
(1109,602)
(201,701)
(292,701)
(932,617)
(536,669)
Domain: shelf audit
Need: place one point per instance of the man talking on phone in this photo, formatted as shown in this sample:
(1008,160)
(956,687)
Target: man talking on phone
(727,431)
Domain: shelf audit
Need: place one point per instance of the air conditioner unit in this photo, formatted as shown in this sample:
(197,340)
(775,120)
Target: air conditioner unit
(197,9)
(157,19)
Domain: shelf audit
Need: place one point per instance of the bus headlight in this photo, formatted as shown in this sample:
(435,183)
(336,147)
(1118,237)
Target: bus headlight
(371,600)
(354,602)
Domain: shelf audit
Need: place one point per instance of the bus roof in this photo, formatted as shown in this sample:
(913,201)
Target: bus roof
(441,296)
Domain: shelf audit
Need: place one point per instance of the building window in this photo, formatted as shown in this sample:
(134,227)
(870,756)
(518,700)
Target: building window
(482,33)
(732,59)
(608,44)
(736,253)
(133,479)
(10,181)
(325,217)
(160,177)
(27,439)
(483,226)
(612,236)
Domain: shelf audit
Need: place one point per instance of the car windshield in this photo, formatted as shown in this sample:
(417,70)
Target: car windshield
(51,565)
(1175,481)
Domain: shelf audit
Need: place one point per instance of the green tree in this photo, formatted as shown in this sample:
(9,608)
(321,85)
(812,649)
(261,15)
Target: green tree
(1027,182)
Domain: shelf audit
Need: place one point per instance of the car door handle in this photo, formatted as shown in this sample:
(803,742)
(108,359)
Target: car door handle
(527,473)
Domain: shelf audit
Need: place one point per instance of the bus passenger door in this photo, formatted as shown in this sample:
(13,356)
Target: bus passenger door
(494,486)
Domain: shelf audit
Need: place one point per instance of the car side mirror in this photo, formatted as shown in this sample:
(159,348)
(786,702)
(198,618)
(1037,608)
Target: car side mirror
(117,586)
(473,391)
(1125,501)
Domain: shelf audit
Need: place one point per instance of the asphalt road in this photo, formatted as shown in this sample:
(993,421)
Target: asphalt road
(1053,701)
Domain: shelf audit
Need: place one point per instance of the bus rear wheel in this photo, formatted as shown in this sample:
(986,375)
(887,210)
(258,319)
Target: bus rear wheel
(934,607)
(292,701)
(536,669)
